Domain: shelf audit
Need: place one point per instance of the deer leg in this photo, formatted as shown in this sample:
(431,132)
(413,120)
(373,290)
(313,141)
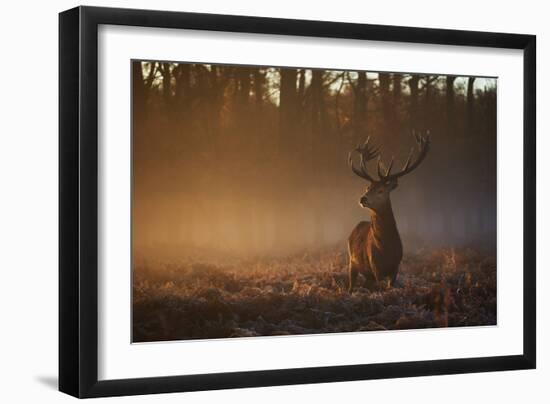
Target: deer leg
(393,279)
(370,280)
(353,271)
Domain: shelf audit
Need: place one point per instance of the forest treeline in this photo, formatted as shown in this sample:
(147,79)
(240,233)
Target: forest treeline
(254,159)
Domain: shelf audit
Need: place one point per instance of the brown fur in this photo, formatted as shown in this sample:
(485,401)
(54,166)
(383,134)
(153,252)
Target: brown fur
(375,248)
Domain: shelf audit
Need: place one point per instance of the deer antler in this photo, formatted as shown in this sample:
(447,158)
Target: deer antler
(384,174)
(366,154)
(423,143)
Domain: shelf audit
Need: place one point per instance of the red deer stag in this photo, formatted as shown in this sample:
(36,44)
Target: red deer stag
(374,247)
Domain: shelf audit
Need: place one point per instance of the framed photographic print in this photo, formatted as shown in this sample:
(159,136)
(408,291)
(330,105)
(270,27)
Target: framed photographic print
(250,201)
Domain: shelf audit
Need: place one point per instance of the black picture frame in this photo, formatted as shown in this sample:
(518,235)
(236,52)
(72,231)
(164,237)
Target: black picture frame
(78,201)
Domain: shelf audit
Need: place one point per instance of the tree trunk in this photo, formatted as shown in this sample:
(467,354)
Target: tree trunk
(217,82)
(140,88)
(413,111)
(243,85)
(319,148)
(360,105)
(450,104)
(428,121)
(384,87)
(470,107)
(182,95)
(259,88)
(397,88)
(301,85)
(287,112)
(166,82)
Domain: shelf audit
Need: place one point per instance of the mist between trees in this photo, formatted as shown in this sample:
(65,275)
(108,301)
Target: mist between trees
(253,160)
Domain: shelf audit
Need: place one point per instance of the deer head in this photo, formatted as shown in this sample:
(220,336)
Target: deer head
(378,191)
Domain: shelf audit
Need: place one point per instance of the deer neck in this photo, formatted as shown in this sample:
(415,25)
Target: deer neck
(384,228)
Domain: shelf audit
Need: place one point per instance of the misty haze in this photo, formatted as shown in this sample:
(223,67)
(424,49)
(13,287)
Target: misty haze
(245,200)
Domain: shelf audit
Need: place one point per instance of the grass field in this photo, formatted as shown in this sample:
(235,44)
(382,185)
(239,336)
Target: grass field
(307,294)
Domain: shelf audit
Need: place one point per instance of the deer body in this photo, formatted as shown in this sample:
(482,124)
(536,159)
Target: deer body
(374,248)
(384,244)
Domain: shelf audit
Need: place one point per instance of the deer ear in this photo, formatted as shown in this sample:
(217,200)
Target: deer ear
(393,184)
